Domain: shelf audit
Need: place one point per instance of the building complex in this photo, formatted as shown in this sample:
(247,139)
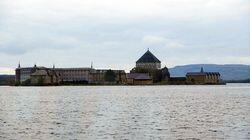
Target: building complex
(147,71)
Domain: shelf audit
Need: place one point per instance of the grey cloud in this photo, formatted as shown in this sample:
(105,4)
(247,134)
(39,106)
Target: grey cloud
(12,50)
(69,33)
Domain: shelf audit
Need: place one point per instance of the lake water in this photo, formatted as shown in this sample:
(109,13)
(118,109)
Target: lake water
(125,112)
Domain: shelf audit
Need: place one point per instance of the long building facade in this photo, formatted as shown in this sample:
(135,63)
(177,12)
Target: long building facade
(51,76)
(74,74)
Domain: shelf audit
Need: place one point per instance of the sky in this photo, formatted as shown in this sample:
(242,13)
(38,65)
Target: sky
(115,33)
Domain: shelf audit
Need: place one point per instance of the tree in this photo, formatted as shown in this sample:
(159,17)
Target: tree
(40,81)
(109,76)
(26,82)
(139,70)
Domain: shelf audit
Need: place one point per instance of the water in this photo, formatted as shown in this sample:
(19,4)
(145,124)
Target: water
(125,112)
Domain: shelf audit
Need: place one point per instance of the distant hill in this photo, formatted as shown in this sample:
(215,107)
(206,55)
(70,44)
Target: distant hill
(228,72)
(7,80)
(239,81)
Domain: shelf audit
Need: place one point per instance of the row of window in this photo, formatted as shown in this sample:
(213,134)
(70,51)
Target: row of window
(212,77)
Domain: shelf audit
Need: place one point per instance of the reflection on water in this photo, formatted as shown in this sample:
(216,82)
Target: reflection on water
(135,112)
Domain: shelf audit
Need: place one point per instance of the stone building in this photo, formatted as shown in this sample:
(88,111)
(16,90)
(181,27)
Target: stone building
(36,75)
(139,79)
(23,74)
(50,76)
(151,65)
(74,75)
(148,61)
(203,77)
(45,77)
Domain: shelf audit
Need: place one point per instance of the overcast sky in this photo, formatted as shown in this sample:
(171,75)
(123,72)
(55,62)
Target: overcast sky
(115,33)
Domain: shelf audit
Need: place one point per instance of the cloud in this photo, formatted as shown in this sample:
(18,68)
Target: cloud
(12,50)
(59,31)
(4,70)
(159,41)
(111,11)
(17,44)
(154,39)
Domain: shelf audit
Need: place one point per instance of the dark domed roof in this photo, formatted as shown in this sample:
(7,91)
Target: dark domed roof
(148,57)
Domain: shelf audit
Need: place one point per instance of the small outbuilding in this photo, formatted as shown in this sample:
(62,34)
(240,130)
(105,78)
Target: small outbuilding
(44,77)
(139,79)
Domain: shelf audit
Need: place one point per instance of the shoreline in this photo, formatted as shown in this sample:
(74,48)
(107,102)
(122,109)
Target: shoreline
(118,85)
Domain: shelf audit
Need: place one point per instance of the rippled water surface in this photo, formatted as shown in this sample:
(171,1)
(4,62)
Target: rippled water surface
(125,112)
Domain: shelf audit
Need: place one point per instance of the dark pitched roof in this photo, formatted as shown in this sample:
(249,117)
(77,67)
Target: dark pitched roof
(148,57)
(196,74)
(202,73)
(32,68)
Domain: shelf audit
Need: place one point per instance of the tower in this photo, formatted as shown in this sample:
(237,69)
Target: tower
(148,61)
(18,74)
(91,65)
(202,71)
